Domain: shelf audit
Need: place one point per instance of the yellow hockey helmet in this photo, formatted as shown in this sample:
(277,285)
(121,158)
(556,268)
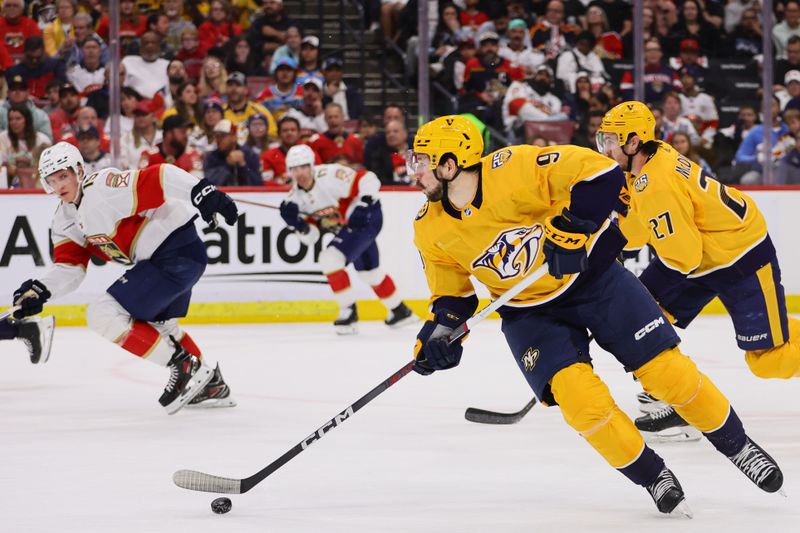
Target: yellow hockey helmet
(452,134)
(628,118)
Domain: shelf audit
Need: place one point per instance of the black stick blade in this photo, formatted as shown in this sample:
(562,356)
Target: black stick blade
(481,416)
(194,480)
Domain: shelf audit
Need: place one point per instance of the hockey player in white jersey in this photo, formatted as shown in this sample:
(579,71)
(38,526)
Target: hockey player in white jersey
(337,199)
(142,219)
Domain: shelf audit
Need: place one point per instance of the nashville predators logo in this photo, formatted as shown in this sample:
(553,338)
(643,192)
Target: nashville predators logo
(529,359)
(512,252)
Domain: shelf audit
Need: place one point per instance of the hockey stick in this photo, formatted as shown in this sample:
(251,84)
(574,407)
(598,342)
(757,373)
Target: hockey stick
(268,206)
(482,416)
(9,312)
(194,480)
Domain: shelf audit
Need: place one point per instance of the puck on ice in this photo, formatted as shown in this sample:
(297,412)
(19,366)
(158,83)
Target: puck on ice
(221,505)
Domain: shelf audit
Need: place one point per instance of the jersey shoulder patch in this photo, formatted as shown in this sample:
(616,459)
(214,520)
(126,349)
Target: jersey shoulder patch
(423,211)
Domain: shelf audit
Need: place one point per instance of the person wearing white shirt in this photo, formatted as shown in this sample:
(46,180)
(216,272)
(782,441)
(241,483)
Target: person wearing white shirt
(581,57)
(89,74)
(518,50)
(531,101)
(699,104)
(790,26)
(147,72)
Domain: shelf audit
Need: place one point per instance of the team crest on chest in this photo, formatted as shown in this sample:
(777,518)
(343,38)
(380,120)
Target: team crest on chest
(512,252)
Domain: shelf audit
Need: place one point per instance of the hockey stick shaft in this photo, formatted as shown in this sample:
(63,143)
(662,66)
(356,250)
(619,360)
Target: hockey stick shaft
(194,480)
(8,312)
(268,206)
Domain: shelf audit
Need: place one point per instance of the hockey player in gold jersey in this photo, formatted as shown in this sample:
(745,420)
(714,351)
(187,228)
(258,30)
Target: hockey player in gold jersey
(710,241)
(500,217)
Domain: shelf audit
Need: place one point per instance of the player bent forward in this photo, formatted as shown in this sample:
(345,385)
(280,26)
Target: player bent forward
(140,219)
(500,217)
(709,240)
(344,202)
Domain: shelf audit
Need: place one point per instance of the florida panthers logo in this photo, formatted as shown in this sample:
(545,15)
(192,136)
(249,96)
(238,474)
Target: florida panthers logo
(512,252)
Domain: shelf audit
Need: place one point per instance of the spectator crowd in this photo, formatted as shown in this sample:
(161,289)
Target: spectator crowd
(224,88)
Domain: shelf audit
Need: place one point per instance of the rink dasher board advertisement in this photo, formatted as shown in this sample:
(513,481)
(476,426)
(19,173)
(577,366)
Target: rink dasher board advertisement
(260,271)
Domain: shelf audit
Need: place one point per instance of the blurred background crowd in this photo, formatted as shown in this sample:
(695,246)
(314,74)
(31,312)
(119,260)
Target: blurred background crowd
(224,88)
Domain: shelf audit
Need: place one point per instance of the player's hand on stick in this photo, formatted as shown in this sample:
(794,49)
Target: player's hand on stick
(361,216)
(432,351)
(30,297)
(209,200)
(290,213)
(565,243)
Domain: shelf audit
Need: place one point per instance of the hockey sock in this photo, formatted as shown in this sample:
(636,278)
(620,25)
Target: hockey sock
(190,346)
(729,438)
(7,330)
(674,378)
(383,286)
(143,340)
(340,285)
(586,405)
(781,361)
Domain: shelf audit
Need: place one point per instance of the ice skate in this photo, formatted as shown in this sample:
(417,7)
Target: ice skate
(188,377)
(668,494)
(400,316)
(649,404)
(757,465)
(215,394)
(347,322)
(666,425)
(37,334)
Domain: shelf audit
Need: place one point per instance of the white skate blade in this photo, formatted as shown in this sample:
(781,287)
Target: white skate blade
(351,329)
(674,434)
(213,403)
(413,319)
(47,325)
(682,510)
(197,384)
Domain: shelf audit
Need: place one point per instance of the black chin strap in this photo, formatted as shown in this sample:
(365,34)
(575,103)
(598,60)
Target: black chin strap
(630,157)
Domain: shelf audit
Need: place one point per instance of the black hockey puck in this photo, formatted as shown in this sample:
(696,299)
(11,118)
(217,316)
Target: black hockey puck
(221,505)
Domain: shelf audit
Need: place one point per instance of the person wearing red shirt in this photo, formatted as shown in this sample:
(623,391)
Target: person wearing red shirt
(336,141)
(132,25)
(15,28)
(5,58)
(273,160)
(192,53)
(63,118)
(174,148)
(472,16)
(218,30)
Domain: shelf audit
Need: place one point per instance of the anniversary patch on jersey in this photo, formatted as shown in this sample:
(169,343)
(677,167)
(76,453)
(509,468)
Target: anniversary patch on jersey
(118,180)
(500,158)
(422,211)
(106,245)
(641,183)
(512,252)
(529,358)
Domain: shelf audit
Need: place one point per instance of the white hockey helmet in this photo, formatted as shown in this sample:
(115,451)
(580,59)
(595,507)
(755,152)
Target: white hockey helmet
(299,155)
(58,157)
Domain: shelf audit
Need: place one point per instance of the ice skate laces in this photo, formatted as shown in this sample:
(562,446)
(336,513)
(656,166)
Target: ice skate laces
(174,373)
(664,412)
(664,483)
(753,463)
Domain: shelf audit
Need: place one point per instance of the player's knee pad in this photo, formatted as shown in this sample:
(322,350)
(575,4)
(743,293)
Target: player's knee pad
(675,379)
(588,407)
(108,318)
(372,277)
(331,260)
(779,361)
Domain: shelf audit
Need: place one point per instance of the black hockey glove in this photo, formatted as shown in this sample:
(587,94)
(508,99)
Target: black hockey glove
(290,213)
(565,243)
(30,297)
(432,352)
(362,214)
(208,200)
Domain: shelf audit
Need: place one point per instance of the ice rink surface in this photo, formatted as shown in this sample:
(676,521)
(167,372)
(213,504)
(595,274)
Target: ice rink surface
(85,447)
